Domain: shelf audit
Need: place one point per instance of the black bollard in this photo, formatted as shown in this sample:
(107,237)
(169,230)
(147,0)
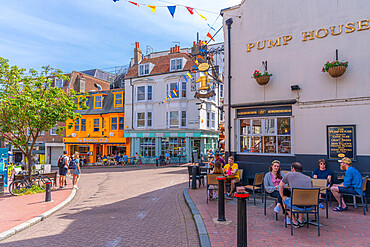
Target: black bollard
(179,160)
(221,198)
(156,162)
(242,219)
(194,176)
(48,192)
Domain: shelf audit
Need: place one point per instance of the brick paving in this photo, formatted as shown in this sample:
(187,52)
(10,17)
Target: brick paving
(15,210)
(141,206)
(350,228)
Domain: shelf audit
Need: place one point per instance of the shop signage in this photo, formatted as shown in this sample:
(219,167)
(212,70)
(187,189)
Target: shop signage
(341,141)
(312,34)
(264,112)
(204,95)
(92,140)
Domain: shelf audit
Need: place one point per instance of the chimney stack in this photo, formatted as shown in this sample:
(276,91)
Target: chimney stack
(175,49)
(81,84)
(138,54)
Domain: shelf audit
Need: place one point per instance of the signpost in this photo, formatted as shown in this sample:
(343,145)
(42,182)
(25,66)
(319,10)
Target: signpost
(4,165)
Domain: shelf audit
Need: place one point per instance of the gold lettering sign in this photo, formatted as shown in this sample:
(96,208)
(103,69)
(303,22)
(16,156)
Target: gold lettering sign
(310,35)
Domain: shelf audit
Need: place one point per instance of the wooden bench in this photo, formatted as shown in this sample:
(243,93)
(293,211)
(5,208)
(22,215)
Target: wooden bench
(53,177)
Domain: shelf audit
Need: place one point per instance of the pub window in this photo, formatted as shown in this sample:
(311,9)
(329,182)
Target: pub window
(77,124)
(114,123)
(98,102)
(269,135)
(83,124)
(120,123)
(96,124)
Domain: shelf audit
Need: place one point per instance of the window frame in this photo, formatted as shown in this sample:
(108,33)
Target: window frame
(83,124)
(116,105)
(57,80)
(263,135)
(149,93)
(178,120)
(149,119)
(101,101)
(141,94)
(142,70)
(114,124)
(176,66)
(53,131)
(77,124)
(184,119)
(96,126)
(141,119)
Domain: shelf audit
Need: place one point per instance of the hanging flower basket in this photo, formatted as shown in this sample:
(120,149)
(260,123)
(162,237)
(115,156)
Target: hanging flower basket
(262,79)
(335,69)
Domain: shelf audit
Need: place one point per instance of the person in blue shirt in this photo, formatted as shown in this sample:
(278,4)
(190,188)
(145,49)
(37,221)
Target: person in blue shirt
(167,157)
(322,172)
(352,183)
(125,159)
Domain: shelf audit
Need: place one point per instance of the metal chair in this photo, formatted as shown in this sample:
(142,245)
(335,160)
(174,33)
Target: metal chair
(362,196)
(257,185)
(199,176)
(212,181)
(324,190)
(305,201)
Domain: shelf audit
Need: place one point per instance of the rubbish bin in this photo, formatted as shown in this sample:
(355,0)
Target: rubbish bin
(1,184)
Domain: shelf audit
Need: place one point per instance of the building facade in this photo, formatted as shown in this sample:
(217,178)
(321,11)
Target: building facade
(301,114)
(183,123)
(99,131)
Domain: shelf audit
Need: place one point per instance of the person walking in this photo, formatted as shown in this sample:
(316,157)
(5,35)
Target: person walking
(76,171)
(63,167)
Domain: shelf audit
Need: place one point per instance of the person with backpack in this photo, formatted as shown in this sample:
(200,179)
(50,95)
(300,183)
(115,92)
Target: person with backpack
(74,166)
(63,168)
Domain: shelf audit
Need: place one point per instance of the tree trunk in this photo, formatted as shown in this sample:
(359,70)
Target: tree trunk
(29,162)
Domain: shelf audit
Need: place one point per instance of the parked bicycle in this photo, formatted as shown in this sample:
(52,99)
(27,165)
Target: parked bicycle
(19,186)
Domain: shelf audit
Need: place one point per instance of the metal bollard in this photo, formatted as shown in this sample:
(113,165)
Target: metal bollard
(156,162)
(179,160)
(221,198)
(48,192)
(194,176)
(242,219)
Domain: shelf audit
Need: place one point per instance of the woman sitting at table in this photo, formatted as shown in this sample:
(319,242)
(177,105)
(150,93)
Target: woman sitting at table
(322,173)
(216,170)
(271,182)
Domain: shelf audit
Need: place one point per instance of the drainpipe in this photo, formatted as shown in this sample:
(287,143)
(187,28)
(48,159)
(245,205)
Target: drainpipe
(228,23)
(132,104)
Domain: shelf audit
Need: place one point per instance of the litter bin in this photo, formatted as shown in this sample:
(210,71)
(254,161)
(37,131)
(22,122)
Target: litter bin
(1,184)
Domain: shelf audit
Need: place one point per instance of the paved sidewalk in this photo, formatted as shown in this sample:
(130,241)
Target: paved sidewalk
(16,210)
(350,228)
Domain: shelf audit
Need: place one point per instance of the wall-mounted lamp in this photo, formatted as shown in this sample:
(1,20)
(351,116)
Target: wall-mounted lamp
(295,87)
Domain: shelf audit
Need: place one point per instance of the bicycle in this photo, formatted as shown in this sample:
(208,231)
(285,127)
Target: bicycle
(19,186)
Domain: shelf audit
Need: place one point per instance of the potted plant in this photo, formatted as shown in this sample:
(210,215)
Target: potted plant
(335,68)
(262,79)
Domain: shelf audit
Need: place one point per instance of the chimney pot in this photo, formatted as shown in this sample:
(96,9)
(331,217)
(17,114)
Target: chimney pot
(137,45)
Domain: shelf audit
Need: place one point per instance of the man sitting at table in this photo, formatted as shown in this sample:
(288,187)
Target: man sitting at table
(218,158)
(125,159)
(295,179)
(167,157)
(231,171)
(352,183)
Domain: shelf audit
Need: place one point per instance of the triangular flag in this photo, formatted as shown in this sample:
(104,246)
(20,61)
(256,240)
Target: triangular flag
(199,56)
(195,67)
(202,16)
(170,96)
(172,10)
(174,92)
(196,61)
(166,98)
(189,75)
(115,0)
(202,49)
(210,36)
(190,10)
(134,3)
(204,42)
(185,79)
(152,8)
(211,27)
(161,103)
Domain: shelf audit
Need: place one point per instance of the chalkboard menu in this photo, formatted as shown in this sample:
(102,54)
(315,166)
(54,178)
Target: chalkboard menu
(341,141)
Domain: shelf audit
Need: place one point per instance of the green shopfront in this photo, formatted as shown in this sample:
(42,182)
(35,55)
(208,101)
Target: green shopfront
(151,144)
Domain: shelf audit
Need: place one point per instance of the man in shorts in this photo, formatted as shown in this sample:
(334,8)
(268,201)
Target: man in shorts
(231,171)
(352,183)
(63,169)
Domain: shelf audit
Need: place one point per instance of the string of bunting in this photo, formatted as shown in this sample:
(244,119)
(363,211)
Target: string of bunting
(172,10)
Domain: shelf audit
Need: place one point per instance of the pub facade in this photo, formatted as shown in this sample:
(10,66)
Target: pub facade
(301,113)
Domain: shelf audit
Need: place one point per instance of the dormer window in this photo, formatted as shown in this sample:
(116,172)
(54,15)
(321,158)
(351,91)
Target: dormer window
(177,63)
(144,69)
(59,83)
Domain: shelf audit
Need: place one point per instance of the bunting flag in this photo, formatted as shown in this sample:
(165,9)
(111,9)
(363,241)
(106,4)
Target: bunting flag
(202,49)
(199,56)
(211,27)
(195,67)
(174,92)
(196,61)
(172,10)
(161,103)
(115,0)
(210,36)
(205,18)
(185,79)
(134,3)
(189,75)
(152,8)
(170,96)
(190,10)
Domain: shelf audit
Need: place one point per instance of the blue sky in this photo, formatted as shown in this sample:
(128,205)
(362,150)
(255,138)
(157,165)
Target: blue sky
(85,34)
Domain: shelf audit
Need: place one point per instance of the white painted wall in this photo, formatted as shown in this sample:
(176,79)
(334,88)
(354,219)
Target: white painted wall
(300,63)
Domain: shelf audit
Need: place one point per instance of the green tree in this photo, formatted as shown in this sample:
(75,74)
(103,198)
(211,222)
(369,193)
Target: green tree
(28,101)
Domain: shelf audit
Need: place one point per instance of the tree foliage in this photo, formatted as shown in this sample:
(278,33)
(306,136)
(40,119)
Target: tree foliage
(28,101)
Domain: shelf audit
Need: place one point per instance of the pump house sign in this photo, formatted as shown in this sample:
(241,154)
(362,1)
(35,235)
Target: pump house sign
(341,141)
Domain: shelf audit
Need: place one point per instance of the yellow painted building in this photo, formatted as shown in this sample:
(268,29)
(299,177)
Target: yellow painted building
(100,130)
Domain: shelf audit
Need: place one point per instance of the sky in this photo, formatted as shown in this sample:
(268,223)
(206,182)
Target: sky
(86,34)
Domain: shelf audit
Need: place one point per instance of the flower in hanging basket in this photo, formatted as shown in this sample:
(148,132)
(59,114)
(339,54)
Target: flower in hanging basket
(335,68)
(261,79)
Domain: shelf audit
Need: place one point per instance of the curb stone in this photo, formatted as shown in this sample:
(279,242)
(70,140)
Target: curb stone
(36,219)
(201,228)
